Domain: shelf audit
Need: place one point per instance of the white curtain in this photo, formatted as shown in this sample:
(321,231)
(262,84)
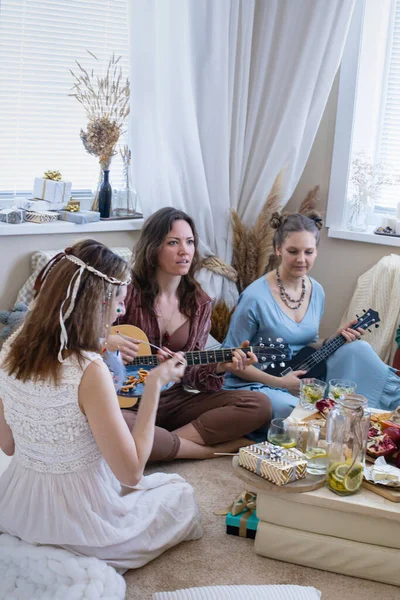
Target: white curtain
(224,95)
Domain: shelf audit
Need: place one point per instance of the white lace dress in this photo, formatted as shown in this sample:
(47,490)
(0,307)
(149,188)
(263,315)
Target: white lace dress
(59,490)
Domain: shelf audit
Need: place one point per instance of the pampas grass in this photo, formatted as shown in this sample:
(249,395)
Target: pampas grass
(220,319)
(253,245)
(310,202)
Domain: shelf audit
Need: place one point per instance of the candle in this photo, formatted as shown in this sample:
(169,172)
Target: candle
(398,210)
(384,223)
(392,223)
(398,228)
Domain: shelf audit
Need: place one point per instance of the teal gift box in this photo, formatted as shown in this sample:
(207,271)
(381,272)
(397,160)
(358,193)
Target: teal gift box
(243,524)
(79,217)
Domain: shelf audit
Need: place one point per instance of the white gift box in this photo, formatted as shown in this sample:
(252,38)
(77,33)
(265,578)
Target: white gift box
(37,205)
(55,192)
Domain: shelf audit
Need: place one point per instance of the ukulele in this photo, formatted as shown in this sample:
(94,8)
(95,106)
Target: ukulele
(265,353)
(314,361)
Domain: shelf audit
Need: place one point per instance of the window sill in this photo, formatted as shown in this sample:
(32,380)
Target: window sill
(65,227)
(366,236)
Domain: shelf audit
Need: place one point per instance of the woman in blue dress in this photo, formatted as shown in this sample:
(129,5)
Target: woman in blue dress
(289,304)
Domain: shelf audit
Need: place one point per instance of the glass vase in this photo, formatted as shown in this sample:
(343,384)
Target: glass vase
(346,435)
(105,196)
(358,213)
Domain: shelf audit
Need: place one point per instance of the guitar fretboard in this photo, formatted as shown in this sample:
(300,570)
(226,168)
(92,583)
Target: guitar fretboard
(195,357)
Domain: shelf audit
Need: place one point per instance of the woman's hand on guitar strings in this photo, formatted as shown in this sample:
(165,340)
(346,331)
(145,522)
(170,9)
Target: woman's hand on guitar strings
(350,335)
(240,360)
(291,382)
(171,368)
(128,349)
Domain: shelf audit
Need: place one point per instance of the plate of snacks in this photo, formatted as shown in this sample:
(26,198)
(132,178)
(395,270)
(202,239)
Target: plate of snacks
(135,381)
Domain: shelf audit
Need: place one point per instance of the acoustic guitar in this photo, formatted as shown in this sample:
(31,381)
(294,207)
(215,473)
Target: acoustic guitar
(267,353)
(314,360)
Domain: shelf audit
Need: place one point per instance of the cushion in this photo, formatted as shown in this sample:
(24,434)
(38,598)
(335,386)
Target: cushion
(242,592)
(286,510)
(41,258)
(328,553)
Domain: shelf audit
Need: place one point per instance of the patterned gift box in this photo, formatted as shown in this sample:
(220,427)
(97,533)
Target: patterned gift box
(80,217)
(55,192)
(290,466)
(41,217)
(12,215)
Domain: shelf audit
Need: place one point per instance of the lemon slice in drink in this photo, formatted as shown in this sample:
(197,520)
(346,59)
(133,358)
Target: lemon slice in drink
(313,453)
(341,471)
(288,444)
(353,480)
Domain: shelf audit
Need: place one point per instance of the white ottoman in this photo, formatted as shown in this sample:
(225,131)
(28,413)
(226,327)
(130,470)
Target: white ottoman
(355,535)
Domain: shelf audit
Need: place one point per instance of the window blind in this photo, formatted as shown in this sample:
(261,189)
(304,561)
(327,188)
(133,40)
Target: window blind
(39,122)
(388,150)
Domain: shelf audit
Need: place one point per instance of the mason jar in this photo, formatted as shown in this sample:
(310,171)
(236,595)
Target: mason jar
(346,434)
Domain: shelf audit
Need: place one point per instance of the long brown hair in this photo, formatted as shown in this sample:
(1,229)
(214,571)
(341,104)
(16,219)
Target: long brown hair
(145,260)
(34,352)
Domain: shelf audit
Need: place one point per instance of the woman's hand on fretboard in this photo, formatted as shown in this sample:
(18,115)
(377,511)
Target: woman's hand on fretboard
(239,362)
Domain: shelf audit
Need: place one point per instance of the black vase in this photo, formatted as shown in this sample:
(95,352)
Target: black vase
(105,195)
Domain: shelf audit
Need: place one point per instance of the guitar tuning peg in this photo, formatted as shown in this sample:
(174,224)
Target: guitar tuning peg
(272,365)
(269,339)
(364,310)
(279,340)
(273,357)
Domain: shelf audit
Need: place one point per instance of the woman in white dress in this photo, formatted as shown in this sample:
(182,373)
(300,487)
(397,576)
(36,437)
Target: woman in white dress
(76,476)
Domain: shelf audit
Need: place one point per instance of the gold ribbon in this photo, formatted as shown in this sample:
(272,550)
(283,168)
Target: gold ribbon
(53,175)
(245,501)
(73,206)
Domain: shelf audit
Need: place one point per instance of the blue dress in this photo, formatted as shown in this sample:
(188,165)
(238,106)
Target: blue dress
(258,315)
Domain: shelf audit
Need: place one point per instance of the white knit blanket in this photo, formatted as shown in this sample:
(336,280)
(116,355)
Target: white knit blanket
(29,572)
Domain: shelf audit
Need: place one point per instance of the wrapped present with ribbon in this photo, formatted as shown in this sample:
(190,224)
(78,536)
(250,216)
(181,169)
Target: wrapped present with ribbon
(52,188)
(276,464)
(79,217)
(241,518)
(12,215)
(44,216)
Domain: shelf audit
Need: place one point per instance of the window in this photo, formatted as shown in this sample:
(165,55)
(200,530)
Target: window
(368,114)
(39,122)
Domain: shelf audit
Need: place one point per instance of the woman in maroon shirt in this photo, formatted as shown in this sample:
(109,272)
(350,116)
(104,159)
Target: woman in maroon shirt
(168,304)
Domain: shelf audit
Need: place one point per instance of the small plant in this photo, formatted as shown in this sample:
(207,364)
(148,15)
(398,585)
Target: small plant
(366,180)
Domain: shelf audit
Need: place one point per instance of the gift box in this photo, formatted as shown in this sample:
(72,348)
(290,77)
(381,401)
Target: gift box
(41,217)
(12,215)
(244,524)
(82,216)
(37,205)
(278,465)
(242,519)
(55,192)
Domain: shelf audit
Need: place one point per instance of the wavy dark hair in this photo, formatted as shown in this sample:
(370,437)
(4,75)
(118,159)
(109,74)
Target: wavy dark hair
(145,260)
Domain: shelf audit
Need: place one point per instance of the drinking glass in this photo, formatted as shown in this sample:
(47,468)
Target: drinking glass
(340,387)
(282,433)
(317,449)
(311,390)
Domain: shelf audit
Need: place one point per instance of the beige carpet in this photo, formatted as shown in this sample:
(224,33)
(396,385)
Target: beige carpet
(220,559)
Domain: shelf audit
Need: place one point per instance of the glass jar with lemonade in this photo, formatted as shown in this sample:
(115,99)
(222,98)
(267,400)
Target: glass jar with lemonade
(346,435)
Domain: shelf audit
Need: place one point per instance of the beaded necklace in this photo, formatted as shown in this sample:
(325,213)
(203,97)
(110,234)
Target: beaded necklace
(285,296)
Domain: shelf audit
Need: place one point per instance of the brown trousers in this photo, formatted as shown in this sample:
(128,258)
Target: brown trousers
(217,416)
